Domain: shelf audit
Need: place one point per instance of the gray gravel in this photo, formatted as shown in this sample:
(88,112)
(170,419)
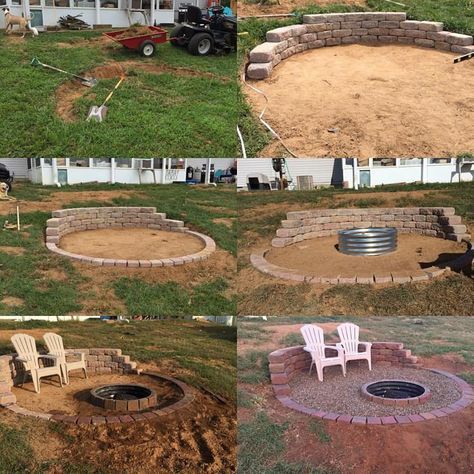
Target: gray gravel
(340,394)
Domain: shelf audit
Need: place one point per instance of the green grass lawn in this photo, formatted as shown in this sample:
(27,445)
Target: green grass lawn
(150,115)
(264,437)
(201,354)
(25,275)
(457,16)
(441,297)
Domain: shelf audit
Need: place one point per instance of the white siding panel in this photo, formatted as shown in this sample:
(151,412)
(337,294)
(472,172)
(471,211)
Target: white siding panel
(17,166)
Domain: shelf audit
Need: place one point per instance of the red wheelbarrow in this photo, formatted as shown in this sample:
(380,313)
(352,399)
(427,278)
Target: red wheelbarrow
(145,43)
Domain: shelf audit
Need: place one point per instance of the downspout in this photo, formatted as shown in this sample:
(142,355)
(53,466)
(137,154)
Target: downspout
(424,170)
(208,171)
(355,173)
(152,13)
(54,167)
(164,162)
(97,12)
(112,171)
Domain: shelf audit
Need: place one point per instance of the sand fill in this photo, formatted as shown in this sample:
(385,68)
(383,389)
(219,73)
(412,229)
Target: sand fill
(73,399)
(387,101)
(131,243)
(320,256)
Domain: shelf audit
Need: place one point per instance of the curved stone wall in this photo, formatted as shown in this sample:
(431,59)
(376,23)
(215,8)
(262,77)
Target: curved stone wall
(66,221)
(285,363)
(333,29)
(440,222)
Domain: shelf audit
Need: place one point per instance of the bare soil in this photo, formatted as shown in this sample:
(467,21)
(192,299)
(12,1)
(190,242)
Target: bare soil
(131,243)
(70,91)
(321,257)
(285,6)
(12,301)
(361,91)
(73,399)
(58,200)
(12,250)
(134,31)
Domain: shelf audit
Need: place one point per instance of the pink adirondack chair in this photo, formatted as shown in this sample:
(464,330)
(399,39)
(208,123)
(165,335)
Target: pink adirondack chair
(349,336)
(314,339)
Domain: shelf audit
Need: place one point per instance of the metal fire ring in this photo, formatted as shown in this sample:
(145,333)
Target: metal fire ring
(368,241)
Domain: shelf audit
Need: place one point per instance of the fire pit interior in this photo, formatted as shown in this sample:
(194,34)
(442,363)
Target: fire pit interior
(368,242)
(130,397)
(393,392)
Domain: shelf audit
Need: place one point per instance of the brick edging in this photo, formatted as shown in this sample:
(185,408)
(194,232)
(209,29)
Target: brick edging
(438,222)
(321,30)
(66,221)
(286,363)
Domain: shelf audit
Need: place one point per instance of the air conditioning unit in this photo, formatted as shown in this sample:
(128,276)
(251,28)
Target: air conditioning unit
(146,164)
(304,183)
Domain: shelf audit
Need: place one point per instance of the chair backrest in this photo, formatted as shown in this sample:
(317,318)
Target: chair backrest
(314,338)
(25,347)
(54,343)
(349,336)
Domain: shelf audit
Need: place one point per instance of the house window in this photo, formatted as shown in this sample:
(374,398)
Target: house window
(47,161)
(57,3)
(410,162)
(3,2)
(166,4)
(61,161)
(79,162)
(15,2)
(109,3)
(177,164)
(440,161)
(84,3)
(101,162)
(384,161)
(123,162)
(28,163)
(38,162)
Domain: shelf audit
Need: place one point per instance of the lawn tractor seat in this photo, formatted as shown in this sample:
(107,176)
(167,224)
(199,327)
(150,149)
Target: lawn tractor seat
(6,177)
(195,16)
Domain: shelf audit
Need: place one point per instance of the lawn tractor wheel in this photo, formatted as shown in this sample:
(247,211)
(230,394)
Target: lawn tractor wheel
(201,44)
(177,36)
(147,49)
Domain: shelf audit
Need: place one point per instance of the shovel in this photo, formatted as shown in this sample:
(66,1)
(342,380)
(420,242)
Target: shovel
(98,113)
(85,81)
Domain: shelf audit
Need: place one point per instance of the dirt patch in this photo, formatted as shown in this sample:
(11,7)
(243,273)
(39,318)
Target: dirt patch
(13,301)
(131,243)
(134,31)
(6,334)
(227,221)
(73,399)
(363,91)
(285,6)
(54,274)
(320,257)
(58,200)
(12,250)
(70,91)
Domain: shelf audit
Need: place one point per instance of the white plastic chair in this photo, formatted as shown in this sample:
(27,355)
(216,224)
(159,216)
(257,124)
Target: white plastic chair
(25,347)
(349,336)
(314,338)
(55,346)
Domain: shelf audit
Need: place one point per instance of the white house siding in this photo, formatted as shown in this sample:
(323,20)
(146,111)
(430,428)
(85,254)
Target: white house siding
(17,166)
(324,171)
(117,17)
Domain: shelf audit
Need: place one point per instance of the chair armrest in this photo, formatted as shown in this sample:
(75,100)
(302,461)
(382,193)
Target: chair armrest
(340,350)
(80,354)
(51,357)
(20,359)
(367,345)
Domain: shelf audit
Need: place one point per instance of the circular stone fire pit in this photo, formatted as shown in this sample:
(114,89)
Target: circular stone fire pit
(369,241)
(131,397)
(396,392)
(125,237)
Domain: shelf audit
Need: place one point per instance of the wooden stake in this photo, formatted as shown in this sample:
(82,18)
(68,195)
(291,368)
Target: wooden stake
(18,218)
